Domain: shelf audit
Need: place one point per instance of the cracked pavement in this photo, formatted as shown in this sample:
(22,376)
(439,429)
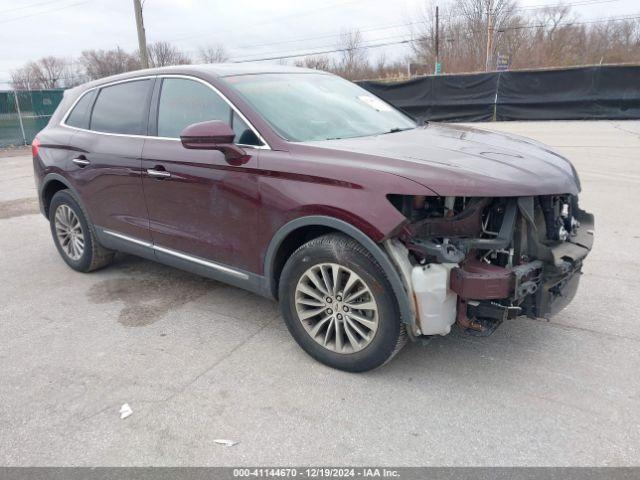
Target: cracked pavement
(198,360)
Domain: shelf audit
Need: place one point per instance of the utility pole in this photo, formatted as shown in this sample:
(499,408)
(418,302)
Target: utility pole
(437,65)
(489,35)
(142,38)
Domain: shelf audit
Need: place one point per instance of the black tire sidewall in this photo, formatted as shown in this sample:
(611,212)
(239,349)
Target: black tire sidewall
(385,341)
(63,197)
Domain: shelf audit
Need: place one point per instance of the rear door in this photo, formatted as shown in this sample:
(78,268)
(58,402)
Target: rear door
(108,160)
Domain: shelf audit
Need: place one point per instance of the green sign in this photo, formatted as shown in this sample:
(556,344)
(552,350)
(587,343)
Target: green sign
(438,68)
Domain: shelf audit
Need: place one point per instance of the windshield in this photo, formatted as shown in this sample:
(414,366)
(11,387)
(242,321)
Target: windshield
(314,106)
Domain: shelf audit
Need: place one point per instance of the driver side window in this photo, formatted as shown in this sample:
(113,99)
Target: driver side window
(184,102)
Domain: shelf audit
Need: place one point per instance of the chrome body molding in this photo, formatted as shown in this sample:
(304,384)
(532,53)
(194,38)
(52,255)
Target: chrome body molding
(200,261)
(181,255)
(127,238)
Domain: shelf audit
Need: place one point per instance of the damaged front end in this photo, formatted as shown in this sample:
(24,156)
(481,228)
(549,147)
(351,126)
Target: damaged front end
(479,261)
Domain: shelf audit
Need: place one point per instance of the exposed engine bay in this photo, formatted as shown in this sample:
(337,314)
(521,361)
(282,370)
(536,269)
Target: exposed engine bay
(477,262)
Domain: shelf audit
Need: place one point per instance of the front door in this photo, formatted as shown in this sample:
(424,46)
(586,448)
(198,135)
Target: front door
(201,208)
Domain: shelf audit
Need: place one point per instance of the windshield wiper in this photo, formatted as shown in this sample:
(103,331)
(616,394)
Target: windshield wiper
(397,129)
(393,130)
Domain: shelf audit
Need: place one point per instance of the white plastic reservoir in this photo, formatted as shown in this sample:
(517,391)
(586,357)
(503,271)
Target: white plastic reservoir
(436,303)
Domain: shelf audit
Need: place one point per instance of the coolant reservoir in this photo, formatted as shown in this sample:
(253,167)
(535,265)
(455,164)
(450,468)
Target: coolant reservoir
(436,303)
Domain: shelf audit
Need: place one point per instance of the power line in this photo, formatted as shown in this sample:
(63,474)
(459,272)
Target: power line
(44,11)
(30,6)
(330,35)
(579,3)
(569,24)
(327,48)
(272,19)
(410,40)
(408,24)
(388,37)
(299,54)
(324,52)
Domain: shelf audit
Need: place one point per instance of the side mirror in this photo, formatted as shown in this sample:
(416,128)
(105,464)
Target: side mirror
(213,135)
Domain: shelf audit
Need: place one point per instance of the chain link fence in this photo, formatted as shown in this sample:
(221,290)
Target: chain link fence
(23,113)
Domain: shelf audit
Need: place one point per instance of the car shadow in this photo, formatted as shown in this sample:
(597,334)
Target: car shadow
(148,291)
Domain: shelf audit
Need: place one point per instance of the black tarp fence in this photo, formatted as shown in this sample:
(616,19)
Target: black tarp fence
(599,92)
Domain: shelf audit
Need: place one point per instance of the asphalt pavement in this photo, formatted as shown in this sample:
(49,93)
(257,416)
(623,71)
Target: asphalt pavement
(198,360)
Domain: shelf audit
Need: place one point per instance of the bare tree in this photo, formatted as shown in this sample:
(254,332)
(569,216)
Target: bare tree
(23,79)
(102,63)
(317,62)
(463,33)
(551,42)
(353,61)
(213,54)
(162,54)
(380,66)
(48,72)
(543,37)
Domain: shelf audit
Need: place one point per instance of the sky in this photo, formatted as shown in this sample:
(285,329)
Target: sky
(249,29)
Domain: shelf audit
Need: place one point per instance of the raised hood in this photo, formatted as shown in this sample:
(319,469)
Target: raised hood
(462,161)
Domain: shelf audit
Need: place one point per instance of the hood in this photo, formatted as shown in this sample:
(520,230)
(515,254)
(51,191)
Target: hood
(462,161)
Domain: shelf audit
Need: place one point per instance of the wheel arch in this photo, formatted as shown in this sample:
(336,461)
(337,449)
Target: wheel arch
(51,184)
(299,231)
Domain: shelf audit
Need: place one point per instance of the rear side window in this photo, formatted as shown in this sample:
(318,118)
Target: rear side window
(183,102)
(79,116)
(122,108)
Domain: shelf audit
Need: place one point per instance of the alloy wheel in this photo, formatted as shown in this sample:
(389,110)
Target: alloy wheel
(336,308)
(69,232)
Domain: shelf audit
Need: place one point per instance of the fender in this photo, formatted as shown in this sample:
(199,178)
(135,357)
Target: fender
(378,253)
(56,176)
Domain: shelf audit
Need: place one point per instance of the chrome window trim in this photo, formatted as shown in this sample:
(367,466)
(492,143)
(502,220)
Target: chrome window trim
(175,253)
(63,122)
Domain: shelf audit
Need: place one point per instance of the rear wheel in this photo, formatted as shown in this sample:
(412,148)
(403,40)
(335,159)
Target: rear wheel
(339,306)
(74,236)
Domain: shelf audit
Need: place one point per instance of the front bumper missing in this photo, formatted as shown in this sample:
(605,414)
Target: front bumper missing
(488,294)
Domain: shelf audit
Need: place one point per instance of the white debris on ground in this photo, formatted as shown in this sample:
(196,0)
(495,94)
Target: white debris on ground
(125,411)
(226,443)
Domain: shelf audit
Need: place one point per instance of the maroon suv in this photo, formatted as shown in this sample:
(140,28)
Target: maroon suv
(298,185)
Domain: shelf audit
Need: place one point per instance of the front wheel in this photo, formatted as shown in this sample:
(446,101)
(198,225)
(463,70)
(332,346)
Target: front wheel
(339,306)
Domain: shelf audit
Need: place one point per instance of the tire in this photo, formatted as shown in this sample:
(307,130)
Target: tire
(369,331)
(92,255)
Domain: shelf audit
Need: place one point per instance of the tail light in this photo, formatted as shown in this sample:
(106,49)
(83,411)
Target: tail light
(35,147)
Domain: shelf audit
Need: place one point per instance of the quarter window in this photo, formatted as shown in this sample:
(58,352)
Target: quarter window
(79,116)
(183,102)
(122,108)
(244,135)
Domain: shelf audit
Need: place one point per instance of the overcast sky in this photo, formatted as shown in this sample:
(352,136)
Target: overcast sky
(30,29)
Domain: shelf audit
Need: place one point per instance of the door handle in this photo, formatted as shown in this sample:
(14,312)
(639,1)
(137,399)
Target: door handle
(81,161)
(158,173)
